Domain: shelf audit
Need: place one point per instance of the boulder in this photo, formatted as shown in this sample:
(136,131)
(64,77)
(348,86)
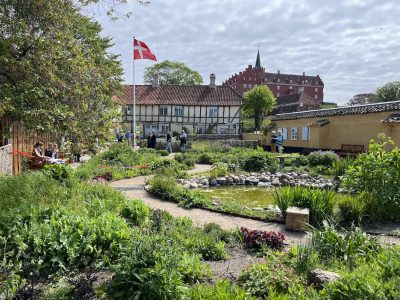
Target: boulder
(320,277)
(221,180)
(285,182)
(193,185)
(212,182)
(204,181)
(276,182)
(186,186)
(235,179)
(229,180)
(297,218)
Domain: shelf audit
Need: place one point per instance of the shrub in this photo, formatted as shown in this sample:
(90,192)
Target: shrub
(272,276)
(222,290)
(320,202)
(351,209)
(340,167)
(163,152)
(136,212)
(189,162)
(260,161)
(62,173)
(378,173)
(205,158)
(258,238)
(219,170)
(322,158)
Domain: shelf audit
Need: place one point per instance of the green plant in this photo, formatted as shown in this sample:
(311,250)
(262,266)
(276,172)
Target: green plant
(205,158)
(136,212)
(163,152)
(306,258)
(62,173)
(272,276)
(222,290)
(320,202)
(340,167)
(378,173)
(260,161)
(352,209)
(219,170)
(322,158)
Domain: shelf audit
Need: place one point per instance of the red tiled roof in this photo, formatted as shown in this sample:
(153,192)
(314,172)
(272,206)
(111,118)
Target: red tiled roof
(180,95)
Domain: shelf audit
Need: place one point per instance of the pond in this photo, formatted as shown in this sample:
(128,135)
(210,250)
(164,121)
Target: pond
(243,195)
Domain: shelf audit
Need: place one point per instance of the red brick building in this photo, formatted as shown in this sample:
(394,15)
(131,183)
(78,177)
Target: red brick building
(293,92)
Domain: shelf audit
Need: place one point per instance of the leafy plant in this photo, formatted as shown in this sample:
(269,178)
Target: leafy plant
(222,290)
(258,238)
(136,212)
(322,158)
(260,161)
(219,170)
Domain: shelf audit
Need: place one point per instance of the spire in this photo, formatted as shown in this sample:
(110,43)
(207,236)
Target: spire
(258,61)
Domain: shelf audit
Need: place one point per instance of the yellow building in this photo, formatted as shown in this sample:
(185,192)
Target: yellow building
(340,129)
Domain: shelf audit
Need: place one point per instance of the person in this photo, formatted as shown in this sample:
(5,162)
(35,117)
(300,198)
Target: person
(169,139)
(279,142)
(153,140)
(128,137)
(273,141)
(37,154)
(149,140)
(120,137)
(183,140)
(52,151)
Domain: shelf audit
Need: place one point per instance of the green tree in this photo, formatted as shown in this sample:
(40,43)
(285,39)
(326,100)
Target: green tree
(363,99)
(389,92)
(56,73)
(172,72)
(258,102)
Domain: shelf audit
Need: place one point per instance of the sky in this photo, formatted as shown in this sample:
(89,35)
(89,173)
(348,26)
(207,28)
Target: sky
(354,45)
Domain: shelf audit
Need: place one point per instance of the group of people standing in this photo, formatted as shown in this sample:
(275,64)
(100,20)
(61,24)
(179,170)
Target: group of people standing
(277,141)
(152,141)
(48,155)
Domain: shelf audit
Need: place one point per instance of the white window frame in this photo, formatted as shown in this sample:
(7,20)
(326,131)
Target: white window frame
(278,87)
(284,132)
(294,133)
(129,108)
(316,96)
(305,133)
(178,111)
(278,94)
(163,110)
(212,112)
(316,89)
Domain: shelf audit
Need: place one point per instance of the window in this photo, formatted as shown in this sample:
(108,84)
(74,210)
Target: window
(316,89)
(128,109)
(284,132)
(294,134)
(305,133)
(301,89)
(278,94)
(316,96)
(278,87)
(178,110)
(212,112)
(163,110)
(290,87)
(164,128)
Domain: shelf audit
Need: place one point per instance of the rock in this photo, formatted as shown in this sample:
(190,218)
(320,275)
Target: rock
(304,176)
(292,183)
(216,203)
(258,209)
(254,180)
(235,179)
(181,181)
(297,218)
(221,180)
(265,178)
(262,184)
(186,186)
(253,174)
(193,185)
(285,182)
(204,181)
(276,182)
(229,180)
(320,277)
(213,182)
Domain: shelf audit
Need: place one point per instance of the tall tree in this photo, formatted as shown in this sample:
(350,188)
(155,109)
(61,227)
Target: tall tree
(258,102)
(363,99)
(56,72)
(389,92)
(172,72)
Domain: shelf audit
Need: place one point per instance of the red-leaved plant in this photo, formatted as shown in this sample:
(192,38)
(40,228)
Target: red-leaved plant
(256,238)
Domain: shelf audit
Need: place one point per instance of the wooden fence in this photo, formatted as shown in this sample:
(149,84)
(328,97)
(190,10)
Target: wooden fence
(23,141)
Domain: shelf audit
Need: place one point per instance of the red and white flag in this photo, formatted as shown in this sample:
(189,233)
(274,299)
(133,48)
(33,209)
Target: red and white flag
(142,51)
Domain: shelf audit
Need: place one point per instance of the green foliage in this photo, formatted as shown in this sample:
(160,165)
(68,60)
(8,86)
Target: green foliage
(340,167)
(258,102)
(352,209)
(378,173)
(121,161)
(222,290)
(136,212)
(260,161)
(320,202)
(166,188)
(219,170)
(163,152)
(170,72)
(62,173)
(57,73)
(322,158)
(205,158)
(272,276)
(389,92)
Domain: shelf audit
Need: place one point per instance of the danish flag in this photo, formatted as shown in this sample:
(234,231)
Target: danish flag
(142,51)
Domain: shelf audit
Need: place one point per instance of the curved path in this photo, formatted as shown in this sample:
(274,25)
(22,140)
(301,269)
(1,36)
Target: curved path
(134,189)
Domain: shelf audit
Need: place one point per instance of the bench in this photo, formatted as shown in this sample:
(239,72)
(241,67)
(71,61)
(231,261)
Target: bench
(351,150)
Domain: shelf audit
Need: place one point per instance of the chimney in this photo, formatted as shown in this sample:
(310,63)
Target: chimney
(212,81)
(155,83)
(279,72)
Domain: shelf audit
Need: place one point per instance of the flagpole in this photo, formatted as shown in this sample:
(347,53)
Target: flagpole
(134,97)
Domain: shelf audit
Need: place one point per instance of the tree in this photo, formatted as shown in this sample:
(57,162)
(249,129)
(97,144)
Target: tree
(363,99)
(258,102)
(56,74)
(389,92)
(172,72)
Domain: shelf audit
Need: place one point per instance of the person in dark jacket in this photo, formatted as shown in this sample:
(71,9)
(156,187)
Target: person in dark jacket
(169,139)
(153,140)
